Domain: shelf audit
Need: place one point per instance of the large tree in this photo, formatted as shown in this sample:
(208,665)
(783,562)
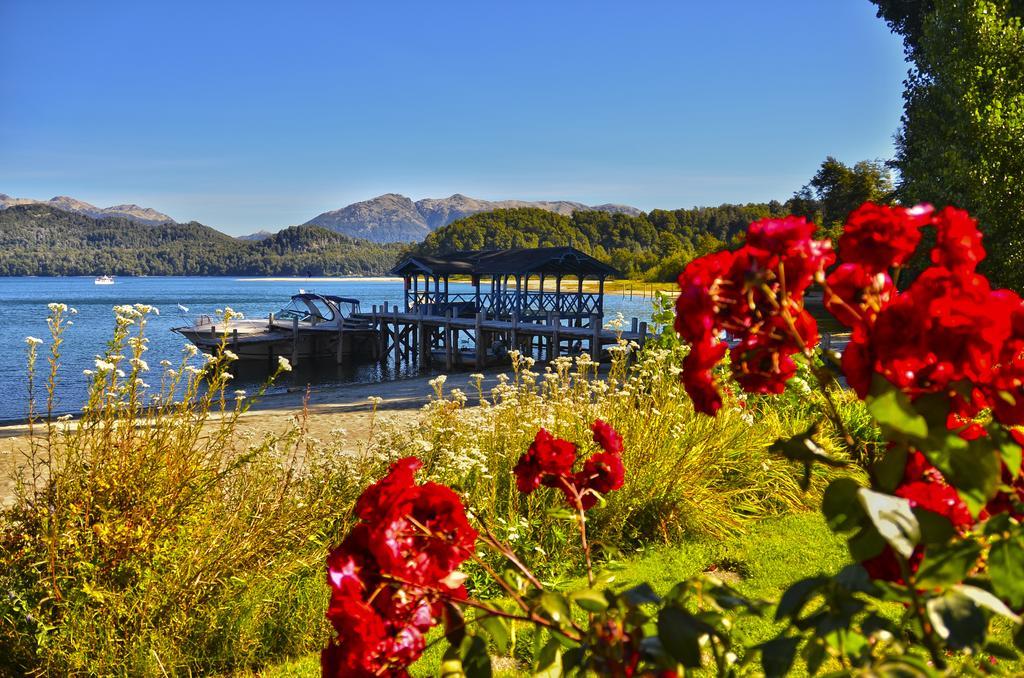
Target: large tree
(837,189)
(962,137)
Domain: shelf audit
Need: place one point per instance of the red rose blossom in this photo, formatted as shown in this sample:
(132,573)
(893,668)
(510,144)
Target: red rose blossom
(958,241)
(880,237)
(547,460)
(607,437)
(602,473)
(391,572)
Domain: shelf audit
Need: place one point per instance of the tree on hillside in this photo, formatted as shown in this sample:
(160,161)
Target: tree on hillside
(837,189)
(962,139)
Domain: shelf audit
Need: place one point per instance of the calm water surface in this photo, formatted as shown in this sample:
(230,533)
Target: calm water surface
(23,310)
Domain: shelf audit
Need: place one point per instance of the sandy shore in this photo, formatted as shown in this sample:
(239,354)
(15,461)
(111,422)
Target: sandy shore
(329,409)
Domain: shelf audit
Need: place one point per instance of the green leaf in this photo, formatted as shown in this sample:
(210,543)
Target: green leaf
(804,449)
(451,663)
(888,471)
(555,607)
(973,468)
(957,619)
(893,410)
(796,596)
(1006,568)
(893,518)
(497,629)
(454,624)
(814,654)
(840,507)
(989,601)
(945,565)
(476,663)
(680,634)
(777,656)
(549,660)
(640,594)
(866,544)
(935,529)
(589,600)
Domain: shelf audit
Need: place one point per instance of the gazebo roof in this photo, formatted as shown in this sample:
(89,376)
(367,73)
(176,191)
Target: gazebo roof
(518,261)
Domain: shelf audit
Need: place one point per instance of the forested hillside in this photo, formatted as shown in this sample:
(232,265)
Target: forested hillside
(655,245)
(40,240)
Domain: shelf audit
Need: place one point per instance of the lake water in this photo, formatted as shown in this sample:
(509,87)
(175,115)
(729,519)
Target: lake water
(23,311)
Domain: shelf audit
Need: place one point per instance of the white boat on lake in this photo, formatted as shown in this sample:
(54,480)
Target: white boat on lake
(104,280)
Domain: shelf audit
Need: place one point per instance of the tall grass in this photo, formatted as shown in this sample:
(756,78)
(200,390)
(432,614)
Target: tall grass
(687,475)
(150,537)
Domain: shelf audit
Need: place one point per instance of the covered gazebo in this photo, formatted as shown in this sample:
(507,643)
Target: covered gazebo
(531,284)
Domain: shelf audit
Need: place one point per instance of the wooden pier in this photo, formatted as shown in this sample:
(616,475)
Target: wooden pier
(481,327)
(420,338)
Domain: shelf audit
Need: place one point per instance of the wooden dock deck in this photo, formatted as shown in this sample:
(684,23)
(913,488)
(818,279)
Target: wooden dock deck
(415,337)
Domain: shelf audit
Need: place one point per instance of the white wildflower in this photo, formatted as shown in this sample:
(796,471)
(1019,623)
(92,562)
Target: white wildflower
(140,364)
(165,363)
(438,380)
(104,366)
(230,355)
(283,364)
(190,350)
(375,401)
(33,341)
(477,376)
(88,373)
(240,394)
(64,417)
(57,308)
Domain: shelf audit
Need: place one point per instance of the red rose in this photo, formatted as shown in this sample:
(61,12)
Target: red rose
(855,295)
(391,571)
(697,377)
(602,473)
(547,460)
(761,365)
(880,237)
(382,496)
(607,437)
(958,240)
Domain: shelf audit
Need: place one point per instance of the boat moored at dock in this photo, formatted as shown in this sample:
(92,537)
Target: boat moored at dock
(310,326)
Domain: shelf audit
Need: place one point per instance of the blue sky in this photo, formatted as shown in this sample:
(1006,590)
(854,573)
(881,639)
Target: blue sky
(249,115)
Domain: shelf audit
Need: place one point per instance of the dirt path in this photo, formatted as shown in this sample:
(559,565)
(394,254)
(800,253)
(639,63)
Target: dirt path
(329,409)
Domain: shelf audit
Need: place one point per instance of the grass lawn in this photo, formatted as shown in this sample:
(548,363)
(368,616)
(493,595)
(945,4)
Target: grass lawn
(761,563)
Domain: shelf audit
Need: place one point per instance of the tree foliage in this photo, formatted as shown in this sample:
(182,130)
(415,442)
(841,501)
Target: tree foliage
(837,189)
(41,240)
(907,17)
(962,140)
(655,245)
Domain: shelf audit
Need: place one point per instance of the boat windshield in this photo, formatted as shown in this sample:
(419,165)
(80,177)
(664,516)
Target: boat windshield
(306,309)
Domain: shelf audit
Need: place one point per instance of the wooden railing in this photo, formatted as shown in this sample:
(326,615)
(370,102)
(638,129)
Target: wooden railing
(504,304)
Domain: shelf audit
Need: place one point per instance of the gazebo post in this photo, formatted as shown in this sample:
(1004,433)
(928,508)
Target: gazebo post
(579,300)
(519,297)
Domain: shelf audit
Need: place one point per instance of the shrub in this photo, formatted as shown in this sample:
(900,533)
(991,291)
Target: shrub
(150,536)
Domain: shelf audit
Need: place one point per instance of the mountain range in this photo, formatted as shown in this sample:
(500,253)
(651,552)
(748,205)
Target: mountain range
(395,218)
(142,215)
(387,218)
